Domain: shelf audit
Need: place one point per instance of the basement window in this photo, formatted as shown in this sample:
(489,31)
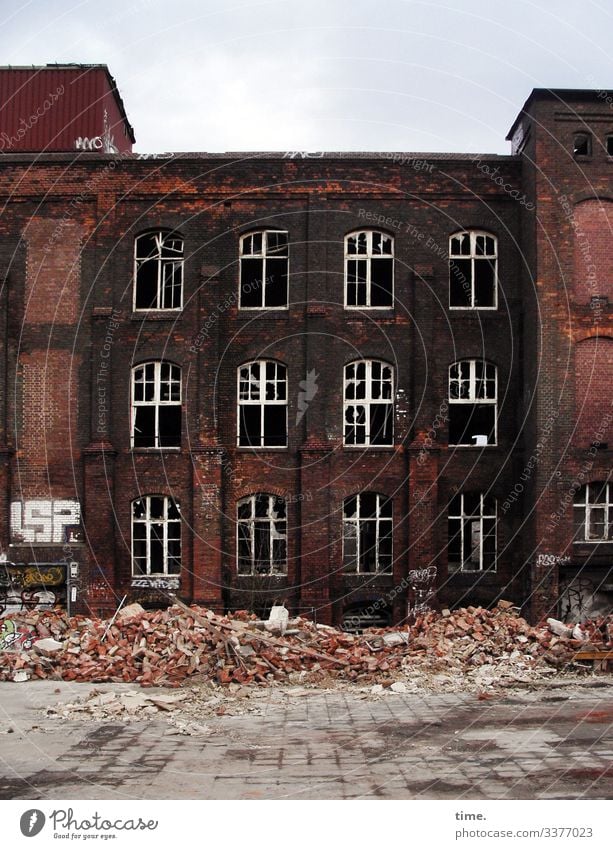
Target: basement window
(261,535)
(367,533)
(473,270)
(158,271)
(472,403)
(156,536)
(368,403)
(593,513)
(264,269)
(262,404)
(582,144)
(156,405)
(369,270)
(472,532)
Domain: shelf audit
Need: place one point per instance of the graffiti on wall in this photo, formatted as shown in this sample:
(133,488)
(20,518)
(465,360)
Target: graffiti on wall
(25,587)
(421,582)
(45,521)
(156,583)
(15,638)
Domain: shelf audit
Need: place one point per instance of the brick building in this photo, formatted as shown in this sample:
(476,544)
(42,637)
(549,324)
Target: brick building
(356,382)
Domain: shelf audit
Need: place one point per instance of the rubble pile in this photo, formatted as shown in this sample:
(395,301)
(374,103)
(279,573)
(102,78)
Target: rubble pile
(167,647)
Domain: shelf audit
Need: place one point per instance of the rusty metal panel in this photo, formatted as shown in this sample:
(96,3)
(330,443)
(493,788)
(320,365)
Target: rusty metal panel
(51,108)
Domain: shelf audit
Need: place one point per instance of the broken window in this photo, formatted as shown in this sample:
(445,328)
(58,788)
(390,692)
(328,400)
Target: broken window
(367,533)
(472,403)
(369,269)
(472,532)
(582,144)
(369,405)
(593,509)
(473,270)
(261,535)
(264,261)
(158,271)
(156,405)
(156,536)
(262,404)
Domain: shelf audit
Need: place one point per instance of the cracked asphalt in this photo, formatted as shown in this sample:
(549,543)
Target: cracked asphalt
(554,742)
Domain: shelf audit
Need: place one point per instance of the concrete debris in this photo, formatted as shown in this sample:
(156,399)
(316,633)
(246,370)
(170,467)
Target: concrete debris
(173,646)
(48,646)
(559,628)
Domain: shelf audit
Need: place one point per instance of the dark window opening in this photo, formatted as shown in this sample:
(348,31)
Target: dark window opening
(466,421)
(582,144)
(158,271)
(264,264)
(367,533)
(262,535)
(262,405)
(609,145)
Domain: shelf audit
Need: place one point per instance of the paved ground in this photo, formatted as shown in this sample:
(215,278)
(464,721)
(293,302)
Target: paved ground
(554,743)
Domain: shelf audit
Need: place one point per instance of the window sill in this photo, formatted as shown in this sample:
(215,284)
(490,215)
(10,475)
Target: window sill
(260,448)
(355,311)
(168,450)
(155,315)
(369,447)
(472,309)
(269,312)
(593,542)
(470,445)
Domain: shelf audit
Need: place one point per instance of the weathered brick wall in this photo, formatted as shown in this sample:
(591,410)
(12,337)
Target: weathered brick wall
(318,202)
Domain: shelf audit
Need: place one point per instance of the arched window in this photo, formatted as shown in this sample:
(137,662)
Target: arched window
(261,535)
(473,403)
(158,271)
(473,270)
(369,269)
(367,533)
(593,512)
(369,403)
(472,532)
(262,404)
(156,536)
(264,269)
(156,405)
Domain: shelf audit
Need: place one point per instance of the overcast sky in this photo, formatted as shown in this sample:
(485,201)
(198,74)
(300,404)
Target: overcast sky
(321,74)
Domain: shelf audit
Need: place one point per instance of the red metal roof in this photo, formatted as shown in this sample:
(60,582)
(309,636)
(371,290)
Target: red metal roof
(52,107)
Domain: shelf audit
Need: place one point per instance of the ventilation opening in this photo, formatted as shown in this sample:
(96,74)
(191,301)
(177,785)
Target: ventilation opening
(370,614)
(582,145)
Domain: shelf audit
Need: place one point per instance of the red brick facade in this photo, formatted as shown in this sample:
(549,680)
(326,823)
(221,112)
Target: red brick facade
(73,337)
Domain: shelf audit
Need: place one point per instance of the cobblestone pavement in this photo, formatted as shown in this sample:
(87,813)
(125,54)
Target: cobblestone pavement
(552,743)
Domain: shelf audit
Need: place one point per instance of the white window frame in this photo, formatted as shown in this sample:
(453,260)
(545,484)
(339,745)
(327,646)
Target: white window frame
(356,521)
(369,257)
(264,256)
(473,256)
(366,402)
(260,401)
(472,399)
(587,507)
(149,522)
(174,380)
(466,521)
(163,264)
(271,519)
